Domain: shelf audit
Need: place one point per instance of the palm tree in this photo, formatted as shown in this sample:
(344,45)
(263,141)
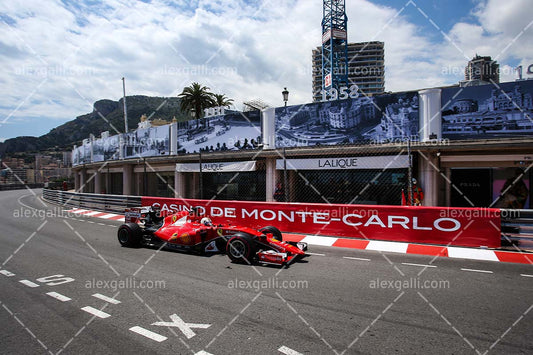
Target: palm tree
(222,100)
(195,98)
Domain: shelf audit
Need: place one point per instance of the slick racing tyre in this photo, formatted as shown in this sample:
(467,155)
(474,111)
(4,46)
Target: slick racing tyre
(241,248)
(274,231)
(129,235)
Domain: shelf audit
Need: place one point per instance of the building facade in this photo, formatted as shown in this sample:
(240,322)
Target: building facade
(465,146)
(366,68)
(482,70)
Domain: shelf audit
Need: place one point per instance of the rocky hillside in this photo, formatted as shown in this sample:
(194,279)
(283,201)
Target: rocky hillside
(106,115)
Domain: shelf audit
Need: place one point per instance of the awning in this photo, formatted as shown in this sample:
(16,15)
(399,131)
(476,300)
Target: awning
(346,163)
(216,167)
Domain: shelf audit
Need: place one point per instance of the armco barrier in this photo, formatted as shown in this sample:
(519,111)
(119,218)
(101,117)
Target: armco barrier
(473,227)
(105,203)
(517,227)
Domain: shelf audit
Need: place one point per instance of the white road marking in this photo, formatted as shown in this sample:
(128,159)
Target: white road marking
(59,296)
(481,271)
(203,352)
(526,275)
(387,246)
(288,351)
(354,258)
(79,211)
(55,280)
(105,298)
(315,254)
(28,283)
(471,253)
(421,265)
(96,312)
(6,273)
(148,334)
(109,215)
(186,328)
(92,213)
(316,240)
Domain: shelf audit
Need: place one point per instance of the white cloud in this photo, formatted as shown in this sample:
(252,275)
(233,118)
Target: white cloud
(243,49)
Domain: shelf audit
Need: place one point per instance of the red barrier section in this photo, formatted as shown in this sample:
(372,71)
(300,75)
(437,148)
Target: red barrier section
(472,227)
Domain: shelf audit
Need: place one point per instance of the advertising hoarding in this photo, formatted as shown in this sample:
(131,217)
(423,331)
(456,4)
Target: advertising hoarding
(473,227)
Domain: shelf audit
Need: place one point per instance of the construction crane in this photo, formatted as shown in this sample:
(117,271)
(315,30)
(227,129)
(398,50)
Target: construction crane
(334,45)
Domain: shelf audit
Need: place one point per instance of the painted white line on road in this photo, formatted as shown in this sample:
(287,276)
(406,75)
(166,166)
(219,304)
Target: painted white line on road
(105,298)
(109,215)
(96,312)
(353,258)
(203,352)
(79,211)
(471,253)
(315,254)
(316,240)
(6,273)
(387,246)
(92,213)
(288,351)
(481,271)
(148,334)
(421,265)
(186,328)
(526,275)
(28,283)
(59,296)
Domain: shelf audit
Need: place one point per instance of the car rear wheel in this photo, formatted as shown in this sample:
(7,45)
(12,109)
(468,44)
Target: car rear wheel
(129,235)
(240,248)
(276,233)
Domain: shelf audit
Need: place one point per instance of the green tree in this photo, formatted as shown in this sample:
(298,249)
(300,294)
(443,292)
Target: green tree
(222,100)
(196,98)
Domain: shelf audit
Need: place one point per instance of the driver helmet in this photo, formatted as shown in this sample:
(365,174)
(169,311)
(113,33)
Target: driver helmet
(206,221)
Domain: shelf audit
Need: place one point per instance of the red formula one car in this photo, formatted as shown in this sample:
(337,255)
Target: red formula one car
(187,231)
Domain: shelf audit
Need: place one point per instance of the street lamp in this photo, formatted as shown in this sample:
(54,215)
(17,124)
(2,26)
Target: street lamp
(125,107)
(285,94)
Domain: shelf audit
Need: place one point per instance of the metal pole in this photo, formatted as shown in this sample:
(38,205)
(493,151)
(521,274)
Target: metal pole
(201,179)
(145,179)
(125,109)
(409,174)
(285,186)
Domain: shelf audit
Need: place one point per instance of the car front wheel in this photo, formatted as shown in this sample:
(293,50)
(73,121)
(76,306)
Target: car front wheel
(240,248)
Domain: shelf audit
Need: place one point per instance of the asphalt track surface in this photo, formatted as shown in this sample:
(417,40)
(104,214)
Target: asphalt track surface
(66,286)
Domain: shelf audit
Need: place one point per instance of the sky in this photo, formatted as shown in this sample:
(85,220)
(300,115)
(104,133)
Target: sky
(58,57)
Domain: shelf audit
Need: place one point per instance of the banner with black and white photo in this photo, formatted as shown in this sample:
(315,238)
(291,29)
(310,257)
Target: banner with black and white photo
(488,111)
(363,120)
(147,142)
(231,131)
